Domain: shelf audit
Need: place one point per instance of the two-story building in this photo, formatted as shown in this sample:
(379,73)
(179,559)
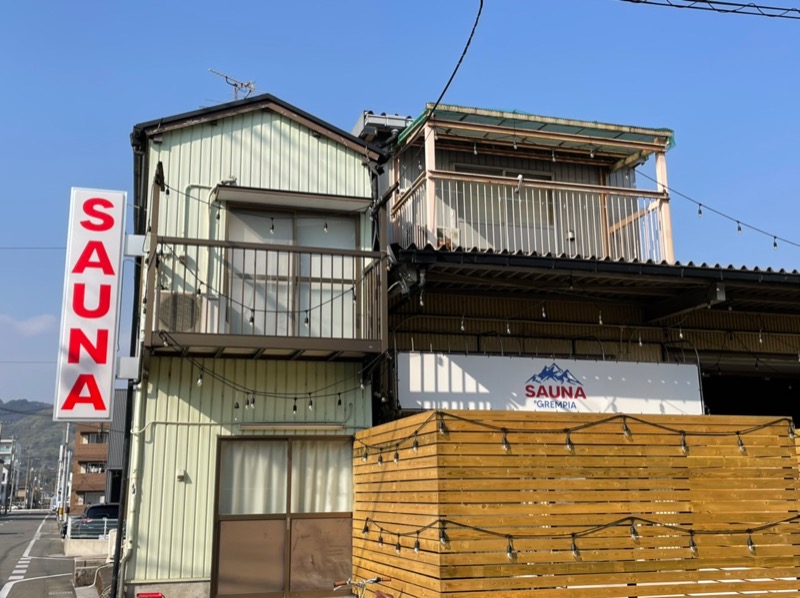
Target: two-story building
(263,323)
(302,283)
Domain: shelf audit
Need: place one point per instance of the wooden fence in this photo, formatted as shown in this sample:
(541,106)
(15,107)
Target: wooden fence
(468,504)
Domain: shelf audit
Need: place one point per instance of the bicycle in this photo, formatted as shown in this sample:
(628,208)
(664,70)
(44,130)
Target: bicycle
(362,586)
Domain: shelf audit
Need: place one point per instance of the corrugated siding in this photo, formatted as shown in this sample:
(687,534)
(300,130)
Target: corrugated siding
(116,438)
(260,149)
(179,430)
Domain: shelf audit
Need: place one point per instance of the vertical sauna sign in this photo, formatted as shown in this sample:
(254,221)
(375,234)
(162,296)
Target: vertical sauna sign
(90,312)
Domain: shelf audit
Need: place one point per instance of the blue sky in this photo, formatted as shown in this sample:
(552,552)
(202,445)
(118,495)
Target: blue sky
(77,76)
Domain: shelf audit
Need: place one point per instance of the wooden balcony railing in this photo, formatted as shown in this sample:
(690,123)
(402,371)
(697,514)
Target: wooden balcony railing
(265,297)
(501,213)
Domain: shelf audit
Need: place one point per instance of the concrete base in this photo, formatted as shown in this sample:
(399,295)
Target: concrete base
(195,589)
(86,548)
(85,570)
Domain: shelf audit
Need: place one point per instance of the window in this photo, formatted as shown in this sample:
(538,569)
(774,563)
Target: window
(284,292)
(92,467)
(94,437)
(90,498)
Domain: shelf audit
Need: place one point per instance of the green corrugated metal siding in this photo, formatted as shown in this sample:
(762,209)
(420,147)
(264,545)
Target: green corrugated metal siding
(174,520)
(260,149)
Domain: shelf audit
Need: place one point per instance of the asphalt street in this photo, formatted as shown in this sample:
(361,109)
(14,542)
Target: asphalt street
(32,562)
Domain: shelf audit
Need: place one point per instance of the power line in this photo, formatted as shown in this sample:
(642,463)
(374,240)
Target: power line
(28,248)
(458,65)
(739,8)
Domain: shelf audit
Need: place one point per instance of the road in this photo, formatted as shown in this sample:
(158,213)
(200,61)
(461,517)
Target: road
(32,562)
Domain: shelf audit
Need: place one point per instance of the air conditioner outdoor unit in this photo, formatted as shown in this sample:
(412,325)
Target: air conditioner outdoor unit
(188,312)
(448,236)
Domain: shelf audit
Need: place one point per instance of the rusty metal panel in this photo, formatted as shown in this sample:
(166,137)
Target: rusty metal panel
(178,430)
(251,557)
(321,552)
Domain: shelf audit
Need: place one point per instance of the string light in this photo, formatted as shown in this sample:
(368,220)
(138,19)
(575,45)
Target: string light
(684,445)
(738,227)
(397,545)
(310,404)
(506,444)
(380,539)
(396,457)
(760,338)
(591,153)
(508,328)
(692,544)
(443,539)
(569,445)
(751,546)
(544,313)
(415,444)
(294,407)
(252,318)
(442,426)
(600,317)
(306,320)
(380,459)
(339,400)
(699,210)
(510,548)
(680,333)
(791,430)
(463,327)
(365,530)
(633,531)
(325,227)
(740,442)
(640,339)
(554,155)
(365,455)
(576,553)
(514,143)
(200,378)
(421,300)
(416,544)
(236,405)
(774,242)
(354,295)
(272,226)
(475,149)
(625,429)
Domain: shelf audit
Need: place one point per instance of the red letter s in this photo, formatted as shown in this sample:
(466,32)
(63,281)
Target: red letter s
(91,207)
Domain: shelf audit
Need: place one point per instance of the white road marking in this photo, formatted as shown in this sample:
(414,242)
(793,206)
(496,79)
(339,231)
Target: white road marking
(7,588)
(18,574)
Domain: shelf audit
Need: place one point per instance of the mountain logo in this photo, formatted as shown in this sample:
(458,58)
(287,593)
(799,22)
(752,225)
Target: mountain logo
(554,373)
(554,382)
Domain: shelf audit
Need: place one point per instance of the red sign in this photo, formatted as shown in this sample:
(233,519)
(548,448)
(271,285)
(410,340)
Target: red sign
(90,312)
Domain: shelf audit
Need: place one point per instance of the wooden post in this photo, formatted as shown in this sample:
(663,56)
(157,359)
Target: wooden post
(668,251)
(429,137)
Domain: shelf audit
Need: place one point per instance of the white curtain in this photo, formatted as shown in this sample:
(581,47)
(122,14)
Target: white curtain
(253,477)
(322,478)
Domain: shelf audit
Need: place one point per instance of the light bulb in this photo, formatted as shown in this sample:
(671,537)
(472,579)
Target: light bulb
(396,457)
(600,317)
(508,328)
(699,210)
(506,444)
(569,445)
(416,545)
(515,143)
(200,379)
(415,444)
(640,339)
(310,404)
(339,400)
(684,444)
(463,328)
(554,155)
(634,532)
(625,429)
(680,332)
(365,529)
(272,226)
(738,227)
(294,407)
(252,319)
(591,153)
(544,313)
(692,545)
(421,300)
(325,227)
(774,242)
(740,442)
(510,549)
(475,149)
(760,339)
(306,320)
(576,553)
(751,546)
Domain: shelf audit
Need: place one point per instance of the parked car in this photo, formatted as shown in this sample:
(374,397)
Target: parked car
(93,522)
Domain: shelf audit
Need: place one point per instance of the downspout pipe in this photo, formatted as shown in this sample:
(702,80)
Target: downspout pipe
(139,143)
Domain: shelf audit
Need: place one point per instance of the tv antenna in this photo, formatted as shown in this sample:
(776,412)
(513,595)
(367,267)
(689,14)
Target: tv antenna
(248,86)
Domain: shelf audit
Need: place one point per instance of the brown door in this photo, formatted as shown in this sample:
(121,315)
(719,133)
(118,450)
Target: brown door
(283,524)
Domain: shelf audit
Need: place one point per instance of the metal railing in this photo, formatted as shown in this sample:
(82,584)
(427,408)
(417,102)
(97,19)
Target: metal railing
(93,529)
(531,216)
(218,287)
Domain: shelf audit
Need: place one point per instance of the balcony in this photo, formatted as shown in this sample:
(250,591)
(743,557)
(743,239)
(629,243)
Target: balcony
(219,298)
(494,213)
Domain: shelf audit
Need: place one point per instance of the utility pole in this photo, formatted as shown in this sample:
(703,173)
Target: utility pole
(248,86)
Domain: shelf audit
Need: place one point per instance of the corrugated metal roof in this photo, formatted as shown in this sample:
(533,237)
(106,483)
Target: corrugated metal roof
(559,276)
(520,124)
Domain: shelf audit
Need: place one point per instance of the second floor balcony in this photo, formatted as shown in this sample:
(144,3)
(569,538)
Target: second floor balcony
(221,298)
(496,213)
(486,180)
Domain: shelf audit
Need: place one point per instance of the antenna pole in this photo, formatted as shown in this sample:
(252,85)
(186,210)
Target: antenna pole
(244,86)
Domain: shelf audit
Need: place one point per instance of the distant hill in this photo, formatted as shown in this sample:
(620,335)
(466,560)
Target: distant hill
(37,435)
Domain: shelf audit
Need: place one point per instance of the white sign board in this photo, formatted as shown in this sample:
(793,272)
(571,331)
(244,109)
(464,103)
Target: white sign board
(90,312)
(446,381)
